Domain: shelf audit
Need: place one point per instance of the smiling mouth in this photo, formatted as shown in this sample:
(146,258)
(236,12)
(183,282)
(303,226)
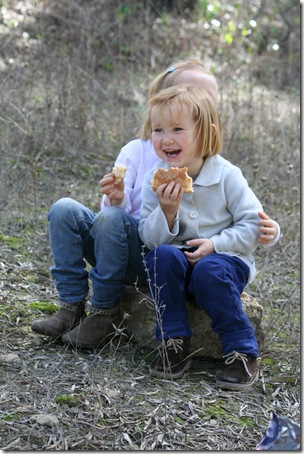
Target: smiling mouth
(172,153)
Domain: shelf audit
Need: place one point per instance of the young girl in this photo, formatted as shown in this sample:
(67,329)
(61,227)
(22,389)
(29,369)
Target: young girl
(109,240)
(201,244)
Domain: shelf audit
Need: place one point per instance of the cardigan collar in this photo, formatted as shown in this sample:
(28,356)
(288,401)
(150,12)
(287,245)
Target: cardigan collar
(211,171)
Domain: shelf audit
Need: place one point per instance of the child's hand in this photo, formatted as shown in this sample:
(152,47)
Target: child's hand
(268,229)
(204,247)
(169,197)
(114,192)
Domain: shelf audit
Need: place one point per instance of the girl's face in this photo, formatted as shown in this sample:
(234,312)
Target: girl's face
(174,137)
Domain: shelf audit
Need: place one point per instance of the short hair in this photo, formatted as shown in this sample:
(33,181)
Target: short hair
(203,112)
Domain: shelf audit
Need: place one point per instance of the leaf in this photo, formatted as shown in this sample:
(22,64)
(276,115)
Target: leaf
(229,38)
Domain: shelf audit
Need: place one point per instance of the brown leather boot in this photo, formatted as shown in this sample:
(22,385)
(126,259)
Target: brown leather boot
(173,359)
(68,316)
(96,330)
(240,371)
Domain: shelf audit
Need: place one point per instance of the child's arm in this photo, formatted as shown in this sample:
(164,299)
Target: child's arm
(270,230)
(157,227)
(129,156)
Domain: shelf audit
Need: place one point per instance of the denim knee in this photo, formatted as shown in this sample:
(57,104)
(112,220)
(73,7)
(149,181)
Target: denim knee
(113,219)
(109,216)
(62,209)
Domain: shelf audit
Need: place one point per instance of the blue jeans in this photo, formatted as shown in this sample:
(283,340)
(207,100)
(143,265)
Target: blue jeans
(215,283)
(108,241)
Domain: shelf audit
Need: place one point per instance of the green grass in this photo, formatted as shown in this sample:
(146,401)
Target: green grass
(43,306)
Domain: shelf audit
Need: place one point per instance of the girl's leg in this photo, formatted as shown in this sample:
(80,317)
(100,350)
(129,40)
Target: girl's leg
(168,267)
(71,242)
(70,225)
(118,252)
(217,282)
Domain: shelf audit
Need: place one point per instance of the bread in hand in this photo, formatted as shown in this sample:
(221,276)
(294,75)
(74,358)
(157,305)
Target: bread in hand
(119,173)
(176,174)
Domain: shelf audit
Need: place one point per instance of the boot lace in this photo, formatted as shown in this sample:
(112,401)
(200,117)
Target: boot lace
(233,356)
(174,344)
(171,352)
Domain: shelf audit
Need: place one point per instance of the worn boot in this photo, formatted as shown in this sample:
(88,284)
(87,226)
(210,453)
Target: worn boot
(173,359)
(239,373)
(96,330)
(68,316)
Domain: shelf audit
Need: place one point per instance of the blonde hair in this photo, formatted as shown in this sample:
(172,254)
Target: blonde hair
(169,77)
(203,112)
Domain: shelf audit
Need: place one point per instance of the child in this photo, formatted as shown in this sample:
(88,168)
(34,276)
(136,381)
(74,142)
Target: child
(109,240)
(201,244)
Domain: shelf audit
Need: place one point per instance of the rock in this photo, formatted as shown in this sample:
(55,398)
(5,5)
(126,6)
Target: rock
(39,341)
(205,343)
(46,420)
(10,359)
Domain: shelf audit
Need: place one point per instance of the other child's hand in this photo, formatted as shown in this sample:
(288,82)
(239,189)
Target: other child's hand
(114,192)
(268,229)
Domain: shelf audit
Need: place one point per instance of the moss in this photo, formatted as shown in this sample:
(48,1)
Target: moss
(246,421)
(11,417)
(67,399)
(43,306)
(18,310)
(268,361)
(15,243)
(33,278)
(215,411)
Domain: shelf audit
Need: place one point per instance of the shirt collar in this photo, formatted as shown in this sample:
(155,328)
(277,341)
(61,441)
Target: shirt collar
(210,172)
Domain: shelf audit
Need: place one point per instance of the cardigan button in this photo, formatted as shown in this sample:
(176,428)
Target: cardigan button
(193,214)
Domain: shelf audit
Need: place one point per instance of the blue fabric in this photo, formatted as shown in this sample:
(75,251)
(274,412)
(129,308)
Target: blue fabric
(216,283)
(108,241)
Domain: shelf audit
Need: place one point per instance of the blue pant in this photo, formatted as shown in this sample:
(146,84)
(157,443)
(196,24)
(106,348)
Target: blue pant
(215,282)
(108,241)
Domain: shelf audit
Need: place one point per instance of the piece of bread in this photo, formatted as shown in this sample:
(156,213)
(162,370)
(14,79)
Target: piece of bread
(119,171)
(177,174)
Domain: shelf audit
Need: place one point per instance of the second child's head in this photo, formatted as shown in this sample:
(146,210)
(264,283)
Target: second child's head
(191,71)
(184,125)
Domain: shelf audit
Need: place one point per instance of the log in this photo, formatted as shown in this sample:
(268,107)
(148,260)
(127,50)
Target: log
(139,321)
